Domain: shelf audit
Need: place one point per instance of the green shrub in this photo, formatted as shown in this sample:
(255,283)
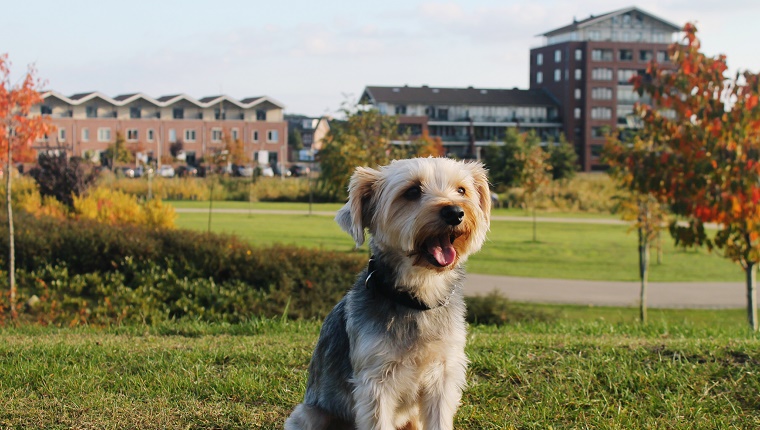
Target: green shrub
(95,273)
(495,309)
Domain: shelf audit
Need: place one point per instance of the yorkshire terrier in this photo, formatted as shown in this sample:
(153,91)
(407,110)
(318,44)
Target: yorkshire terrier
(390,355)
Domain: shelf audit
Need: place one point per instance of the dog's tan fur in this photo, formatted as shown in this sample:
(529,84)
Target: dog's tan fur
(380,365)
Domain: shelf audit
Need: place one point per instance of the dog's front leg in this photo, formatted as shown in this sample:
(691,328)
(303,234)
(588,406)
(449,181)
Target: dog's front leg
(374,402)
(441,392)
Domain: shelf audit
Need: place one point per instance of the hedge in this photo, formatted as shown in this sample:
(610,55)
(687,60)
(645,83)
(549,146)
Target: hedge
(89,272)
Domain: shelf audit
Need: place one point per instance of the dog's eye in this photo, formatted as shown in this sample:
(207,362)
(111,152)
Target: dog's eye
(461,191)
(413,193)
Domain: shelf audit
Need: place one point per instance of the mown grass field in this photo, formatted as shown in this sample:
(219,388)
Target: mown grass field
(563,250)
(591,368)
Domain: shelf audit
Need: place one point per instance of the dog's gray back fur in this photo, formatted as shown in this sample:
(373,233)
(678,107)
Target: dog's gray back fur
(329,386)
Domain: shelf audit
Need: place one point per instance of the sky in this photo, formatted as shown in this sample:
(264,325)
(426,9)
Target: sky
(315,56)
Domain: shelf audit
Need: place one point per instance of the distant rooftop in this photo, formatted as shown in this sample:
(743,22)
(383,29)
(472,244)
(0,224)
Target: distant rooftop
(457,96)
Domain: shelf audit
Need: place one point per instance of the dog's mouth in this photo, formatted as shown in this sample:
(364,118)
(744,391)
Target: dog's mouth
(439,250)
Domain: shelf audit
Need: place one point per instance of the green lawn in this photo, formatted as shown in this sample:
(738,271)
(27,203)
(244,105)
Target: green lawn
(563,251)
(596,368)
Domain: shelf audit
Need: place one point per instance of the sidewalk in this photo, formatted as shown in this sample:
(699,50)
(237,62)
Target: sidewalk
(709,295)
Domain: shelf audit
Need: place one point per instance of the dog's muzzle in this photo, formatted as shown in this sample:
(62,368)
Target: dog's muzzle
(452,214)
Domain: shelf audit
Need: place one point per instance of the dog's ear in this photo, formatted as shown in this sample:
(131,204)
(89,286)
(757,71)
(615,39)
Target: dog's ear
(355,215)
(480,174)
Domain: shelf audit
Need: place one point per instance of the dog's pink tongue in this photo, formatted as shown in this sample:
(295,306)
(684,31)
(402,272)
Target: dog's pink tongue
(442,250)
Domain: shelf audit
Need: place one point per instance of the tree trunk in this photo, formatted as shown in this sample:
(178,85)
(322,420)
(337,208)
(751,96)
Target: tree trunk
(11,240)
(751,271)
(643,274)
(534,224)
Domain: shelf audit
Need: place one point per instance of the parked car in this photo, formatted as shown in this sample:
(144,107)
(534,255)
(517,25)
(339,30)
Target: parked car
(166,171)
(244,171)
(267,171)
(188,170)
(299,170)
(127,172)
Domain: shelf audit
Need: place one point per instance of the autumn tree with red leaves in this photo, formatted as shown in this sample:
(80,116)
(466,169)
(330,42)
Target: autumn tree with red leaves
(18,131)
(698,151)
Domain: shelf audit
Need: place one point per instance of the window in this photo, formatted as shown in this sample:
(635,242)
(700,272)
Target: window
(625,75)
(132,134)
(91,111)
(601,93)
(662,57)
(235,134)
(172,135)
(46,110)
(400,110)
(178,113)
(135,112)
(623,112)
(578,74)
(626,94)
(539,59)
(577,113)
(539,77)
(557,75)
(577,94)
(595,35)
(659,37)
(625,55)
(578,54)
(216,135)
(151,135)
(598,131)
(272,136)
(219,114)
(645,55)
(61,134)
(557,55)
(85,135)
(442,114)
(104,134)
(189,135)
(261,115)
(601,55)
(601,74)
(601,113)
(255,136)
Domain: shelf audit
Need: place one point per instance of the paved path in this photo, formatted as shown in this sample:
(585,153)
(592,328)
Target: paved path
(597,293)
(606,293)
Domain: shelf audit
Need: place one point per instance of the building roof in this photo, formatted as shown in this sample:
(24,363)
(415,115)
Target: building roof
(457,96)
(163,101)
(594,19)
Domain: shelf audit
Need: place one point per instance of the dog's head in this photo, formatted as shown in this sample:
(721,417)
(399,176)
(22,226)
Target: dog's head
(433,210)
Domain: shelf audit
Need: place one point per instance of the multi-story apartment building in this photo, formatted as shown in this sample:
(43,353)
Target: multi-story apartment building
(312,131)
(467,119)
(87,124)
(587,66)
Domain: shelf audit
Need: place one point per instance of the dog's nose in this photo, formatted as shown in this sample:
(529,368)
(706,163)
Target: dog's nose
(452,214)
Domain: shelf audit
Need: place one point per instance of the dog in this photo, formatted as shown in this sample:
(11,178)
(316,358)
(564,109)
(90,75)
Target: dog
(390,355)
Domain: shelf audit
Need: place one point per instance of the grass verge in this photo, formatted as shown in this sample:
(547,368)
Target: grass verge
(563,250)
(593,369)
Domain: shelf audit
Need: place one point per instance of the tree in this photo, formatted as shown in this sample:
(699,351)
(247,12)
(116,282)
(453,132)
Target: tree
(504,161)
(535,174)
(698,152)
(176,148)
(562,158)
(365,138)
(62,178)
(295,140)
(18,131)
(427,146)
(117,152)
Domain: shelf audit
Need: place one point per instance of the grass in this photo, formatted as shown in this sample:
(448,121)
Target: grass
(594,369)
(563,250)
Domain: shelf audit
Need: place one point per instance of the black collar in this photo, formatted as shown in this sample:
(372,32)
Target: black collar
(380,279)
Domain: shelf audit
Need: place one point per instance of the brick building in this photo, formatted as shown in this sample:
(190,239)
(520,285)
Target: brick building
(87,124)
(587,65)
